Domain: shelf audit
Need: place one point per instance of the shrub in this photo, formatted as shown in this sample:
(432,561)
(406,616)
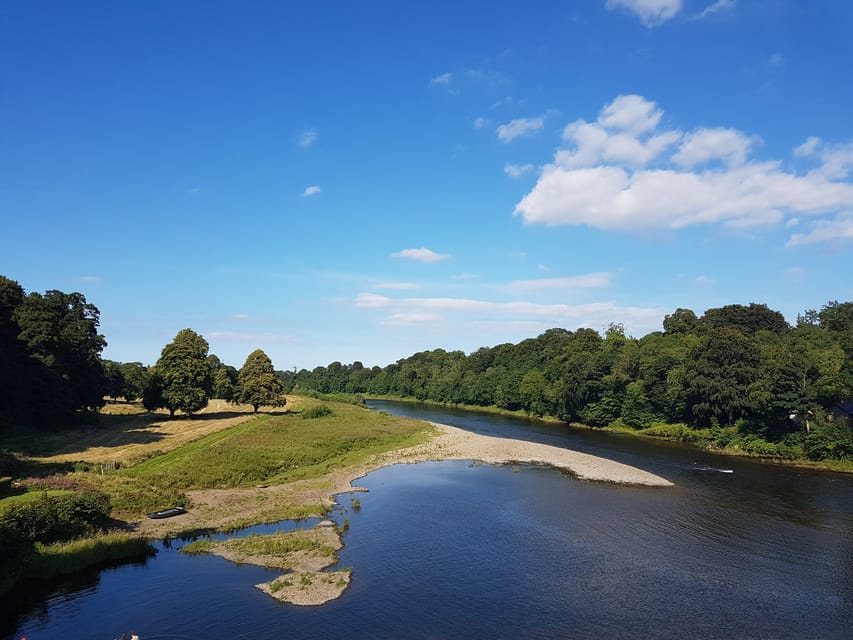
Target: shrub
(57,518)
(317,411)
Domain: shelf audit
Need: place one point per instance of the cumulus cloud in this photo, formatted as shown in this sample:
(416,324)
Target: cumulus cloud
(652,13)
(628,171)
(421,255)
(311,191)
(517,170)
(519,127)
(307,138)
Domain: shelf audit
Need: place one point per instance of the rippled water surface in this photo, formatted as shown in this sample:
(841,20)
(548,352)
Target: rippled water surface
(461,550)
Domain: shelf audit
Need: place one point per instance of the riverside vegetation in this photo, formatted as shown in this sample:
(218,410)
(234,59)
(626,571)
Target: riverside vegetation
(737,378)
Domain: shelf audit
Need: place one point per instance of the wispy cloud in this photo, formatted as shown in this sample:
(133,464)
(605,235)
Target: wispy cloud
(716,7)
(311,191)
(587,281)
(469,312)
(307,138)
(240,316)
(626,171)
(421,255)
(519,127)
(835,231)
(442,80)
(517,170)
(704,281)
(652,13)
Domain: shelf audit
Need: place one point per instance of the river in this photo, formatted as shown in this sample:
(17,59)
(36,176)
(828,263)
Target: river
(737,549)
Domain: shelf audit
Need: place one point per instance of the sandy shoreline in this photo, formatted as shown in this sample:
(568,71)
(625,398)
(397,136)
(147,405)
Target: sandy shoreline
(223,508)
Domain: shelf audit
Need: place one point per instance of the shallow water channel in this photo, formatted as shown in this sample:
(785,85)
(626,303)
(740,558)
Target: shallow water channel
(738,549)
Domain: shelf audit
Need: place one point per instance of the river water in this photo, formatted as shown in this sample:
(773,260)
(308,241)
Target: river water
(738,549)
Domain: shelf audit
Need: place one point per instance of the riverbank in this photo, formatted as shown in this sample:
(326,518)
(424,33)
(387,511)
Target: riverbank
(696,438)
(228,509)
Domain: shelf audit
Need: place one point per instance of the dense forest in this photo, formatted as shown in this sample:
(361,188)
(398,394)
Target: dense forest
(738,377)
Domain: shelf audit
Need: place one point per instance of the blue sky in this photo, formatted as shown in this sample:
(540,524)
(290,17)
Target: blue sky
(365,180)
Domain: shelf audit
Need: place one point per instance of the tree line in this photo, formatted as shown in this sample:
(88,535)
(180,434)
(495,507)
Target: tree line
(51,366)
(740,371)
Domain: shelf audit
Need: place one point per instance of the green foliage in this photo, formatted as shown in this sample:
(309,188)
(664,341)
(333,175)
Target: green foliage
(57,518)
(182,378)
(735,363)
(63,558)
(317,411)
(50,355)
(258,384)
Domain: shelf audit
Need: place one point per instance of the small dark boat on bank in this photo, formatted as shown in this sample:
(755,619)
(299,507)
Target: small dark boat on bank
(167,513)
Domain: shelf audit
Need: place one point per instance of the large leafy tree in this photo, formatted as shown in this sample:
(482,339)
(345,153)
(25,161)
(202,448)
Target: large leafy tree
(258,384)
(721,370)
(182,378)
(60,331)
(11,351)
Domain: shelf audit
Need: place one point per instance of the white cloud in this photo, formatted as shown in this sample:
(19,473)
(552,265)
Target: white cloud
(311,191)
(481,123)
(631,113)
(588,281)
(837,230)
(517,170)
(371,301)
(704,281)
(519,127)
(717,7)
(703,145)
(421,255)
(444,79)
(465,276)
(307,138)
(627,171)
(652,13)
(469,312)
(808,148)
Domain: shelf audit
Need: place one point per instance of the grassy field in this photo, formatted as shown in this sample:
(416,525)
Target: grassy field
(159,459)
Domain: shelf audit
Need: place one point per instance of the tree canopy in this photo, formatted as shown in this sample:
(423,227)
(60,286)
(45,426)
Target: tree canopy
(258,384)
(182,379)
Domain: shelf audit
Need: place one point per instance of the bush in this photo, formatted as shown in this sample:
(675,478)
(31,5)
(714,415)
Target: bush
(317,411)
(5,486)
(56,518)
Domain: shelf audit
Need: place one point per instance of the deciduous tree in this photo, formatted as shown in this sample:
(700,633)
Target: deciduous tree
(258,384)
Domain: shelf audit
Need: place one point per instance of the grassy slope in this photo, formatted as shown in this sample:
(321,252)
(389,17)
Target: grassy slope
(275,449)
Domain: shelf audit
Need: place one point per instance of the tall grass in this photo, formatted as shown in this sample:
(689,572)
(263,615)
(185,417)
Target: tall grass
(62,558)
